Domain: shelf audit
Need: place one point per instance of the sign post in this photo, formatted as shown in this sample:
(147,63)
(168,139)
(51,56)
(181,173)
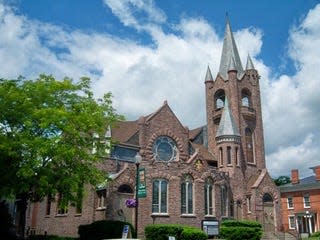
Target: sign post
(210,227)
(125,231)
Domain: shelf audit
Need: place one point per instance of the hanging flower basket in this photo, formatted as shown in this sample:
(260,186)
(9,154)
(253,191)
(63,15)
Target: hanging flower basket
(131,203)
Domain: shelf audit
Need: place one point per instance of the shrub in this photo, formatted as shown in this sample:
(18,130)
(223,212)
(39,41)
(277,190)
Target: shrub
(163,231)
(316,234)
(103,229)
(49,237)
(190,233)
(238,230)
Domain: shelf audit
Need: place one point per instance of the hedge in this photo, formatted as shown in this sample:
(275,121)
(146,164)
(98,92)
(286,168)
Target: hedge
(238,230)
(316,234)
(49,237)
(103,229)
(163,231)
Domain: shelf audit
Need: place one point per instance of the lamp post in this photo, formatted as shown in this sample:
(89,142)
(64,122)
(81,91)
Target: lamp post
(138,159)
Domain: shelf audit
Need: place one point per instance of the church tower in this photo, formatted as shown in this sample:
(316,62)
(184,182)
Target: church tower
(234,119)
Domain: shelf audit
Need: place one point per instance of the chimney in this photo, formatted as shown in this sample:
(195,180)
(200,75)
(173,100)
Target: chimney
(316,170)
(294,176)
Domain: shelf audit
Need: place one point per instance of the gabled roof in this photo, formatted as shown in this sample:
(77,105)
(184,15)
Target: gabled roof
(124,130)
(307,183)
(229,51)
(194,133)
(227,125)
(203,151)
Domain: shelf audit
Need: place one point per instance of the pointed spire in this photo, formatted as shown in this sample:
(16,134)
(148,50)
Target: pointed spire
(208,75)
(249,65)
(227,125)
(232,65)
(229,50)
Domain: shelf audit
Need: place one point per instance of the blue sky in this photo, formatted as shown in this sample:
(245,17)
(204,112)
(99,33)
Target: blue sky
(273,17)
(146,52)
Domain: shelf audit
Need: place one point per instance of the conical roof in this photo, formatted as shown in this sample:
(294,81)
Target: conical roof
(208,75)
(232,65)
(229,50)
(227,125)
(249,65)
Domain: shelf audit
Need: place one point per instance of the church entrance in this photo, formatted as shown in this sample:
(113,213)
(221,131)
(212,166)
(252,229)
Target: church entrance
(268,213)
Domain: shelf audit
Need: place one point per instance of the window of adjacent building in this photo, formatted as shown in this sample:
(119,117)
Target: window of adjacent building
(245,98)
(219,98)
(306,201)
(229,155)
(224,201)
(249,145)
(62,205)
(221,156)
(101,200)
(291,221)
(209,197)
(159,196)
(290,202)
(187,195)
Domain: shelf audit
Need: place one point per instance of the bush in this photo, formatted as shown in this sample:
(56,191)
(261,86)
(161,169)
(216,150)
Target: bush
(103,229)
(316,234)
(163,231)
(49,237)
(238,230)
(189,233)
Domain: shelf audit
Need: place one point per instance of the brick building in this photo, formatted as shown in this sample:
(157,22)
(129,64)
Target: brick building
(212,172)
(300,202)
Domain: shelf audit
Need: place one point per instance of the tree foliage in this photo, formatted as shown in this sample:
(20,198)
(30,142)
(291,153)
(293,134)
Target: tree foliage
(282,180)
(46,129)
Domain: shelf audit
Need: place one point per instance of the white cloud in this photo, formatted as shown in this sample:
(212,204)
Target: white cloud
(295,156)
(292,103)
(136,13)
(173,68)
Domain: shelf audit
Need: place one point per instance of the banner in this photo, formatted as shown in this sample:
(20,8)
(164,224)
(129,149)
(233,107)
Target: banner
(142,187)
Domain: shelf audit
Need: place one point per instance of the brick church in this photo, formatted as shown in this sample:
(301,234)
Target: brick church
(213,172)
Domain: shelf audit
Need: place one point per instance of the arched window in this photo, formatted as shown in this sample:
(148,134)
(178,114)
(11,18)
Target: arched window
(267,198)
(187,195)
(221,156)
(249,145)
(224,200)
(124,188)
(246,98)
(236,156)
(229,160)
(209,197)
(159,196)
(219,98)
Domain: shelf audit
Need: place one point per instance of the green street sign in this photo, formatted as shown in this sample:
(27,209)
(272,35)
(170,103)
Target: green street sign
(142,187)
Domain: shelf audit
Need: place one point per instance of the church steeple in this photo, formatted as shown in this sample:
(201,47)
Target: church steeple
(227,126)
(208,75)
(249,65)
(229,51)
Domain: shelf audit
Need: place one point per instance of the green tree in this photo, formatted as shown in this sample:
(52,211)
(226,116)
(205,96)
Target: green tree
(46,137)
(282,180)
